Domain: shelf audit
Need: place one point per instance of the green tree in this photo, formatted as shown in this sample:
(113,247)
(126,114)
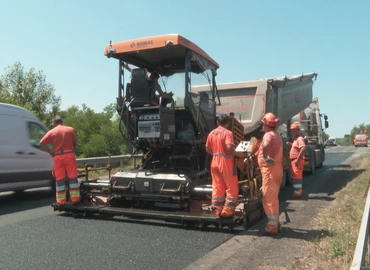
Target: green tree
(325,136)
(30,90)
(97,133)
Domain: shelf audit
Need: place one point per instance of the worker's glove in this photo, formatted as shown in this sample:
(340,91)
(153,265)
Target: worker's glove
(269,160)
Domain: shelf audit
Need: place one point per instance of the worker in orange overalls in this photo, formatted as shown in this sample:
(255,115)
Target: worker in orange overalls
(270,162)
(298,148)
(225,191)
(63,140)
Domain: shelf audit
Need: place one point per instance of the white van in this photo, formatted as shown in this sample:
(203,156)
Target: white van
(23,165)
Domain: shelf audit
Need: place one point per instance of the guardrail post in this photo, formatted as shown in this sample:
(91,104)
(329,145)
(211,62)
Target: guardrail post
(368,243)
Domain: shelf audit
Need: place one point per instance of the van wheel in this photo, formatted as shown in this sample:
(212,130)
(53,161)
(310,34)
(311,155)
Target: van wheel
(19,192)
(53,186)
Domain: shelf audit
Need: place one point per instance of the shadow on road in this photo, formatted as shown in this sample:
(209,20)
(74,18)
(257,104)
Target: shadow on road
(325,183)
(159,223)
(292,233)
(321,186)
(338,178)
(12,202)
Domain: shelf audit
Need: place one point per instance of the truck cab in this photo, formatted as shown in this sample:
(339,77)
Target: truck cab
(361,139)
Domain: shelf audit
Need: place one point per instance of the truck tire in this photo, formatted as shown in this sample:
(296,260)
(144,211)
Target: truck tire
(313,166)
(284,180)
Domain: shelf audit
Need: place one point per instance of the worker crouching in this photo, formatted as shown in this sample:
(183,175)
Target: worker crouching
(270,156)
(220,144)
(298,148)
(63,140)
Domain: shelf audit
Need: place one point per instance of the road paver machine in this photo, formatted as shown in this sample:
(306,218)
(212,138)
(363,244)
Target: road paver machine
(173,181)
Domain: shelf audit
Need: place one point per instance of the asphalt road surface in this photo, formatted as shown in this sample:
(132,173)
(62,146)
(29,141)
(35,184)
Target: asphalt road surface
(33,236)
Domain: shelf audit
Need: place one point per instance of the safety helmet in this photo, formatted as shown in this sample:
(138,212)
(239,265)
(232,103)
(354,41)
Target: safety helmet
(270,120)
(295,126)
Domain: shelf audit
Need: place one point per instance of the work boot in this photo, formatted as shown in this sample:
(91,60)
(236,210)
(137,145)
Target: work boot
(223,216)
(218,213)
(227,214)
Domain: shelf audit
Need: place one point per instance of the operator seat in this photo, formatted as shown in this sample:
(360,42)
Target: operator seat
(141,89)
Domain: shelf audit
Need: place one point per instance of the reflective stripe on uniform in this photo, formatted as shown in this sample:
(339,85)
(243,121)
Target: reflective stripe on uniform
(75,194)
(218,154)
(218,201)
(60,188)
(73,183)
(272,223)
(297,186)
(231,203)
(61,195)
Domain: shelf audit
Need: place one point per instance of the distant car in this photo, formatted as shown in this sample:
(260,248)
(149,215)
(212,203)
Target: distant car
(330,143)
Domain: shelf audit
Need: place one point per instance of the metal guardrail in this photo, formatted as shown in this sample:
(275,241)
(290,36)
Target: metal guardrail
(362,246)
(106,160)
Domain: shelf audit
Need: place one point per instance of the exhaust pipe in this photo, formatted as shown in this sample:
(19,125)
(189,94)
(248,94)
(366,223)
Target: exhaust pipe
(87,184)
(203,189)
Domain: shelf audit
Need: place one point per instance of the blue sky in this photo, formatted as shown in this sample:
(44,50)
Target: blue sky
(249,39)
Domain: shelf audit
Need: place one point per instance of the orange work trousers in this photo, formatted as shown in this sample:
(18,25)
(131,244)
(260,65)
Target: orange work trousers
(224,186)
(65,166)
(271,180)
(296,174)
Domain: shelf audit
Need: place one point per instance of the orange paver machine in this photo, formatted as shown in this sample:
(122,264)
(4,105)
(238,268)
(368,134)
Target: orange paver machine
(173,181)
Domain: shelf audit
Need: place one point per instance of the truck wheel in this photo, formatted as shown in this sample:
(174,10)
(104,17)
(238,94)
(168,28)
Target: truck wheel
(283,181)
(313,166)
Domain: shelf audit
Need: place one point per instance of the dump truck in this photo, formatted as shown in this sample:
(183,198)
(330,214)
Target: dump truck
(173,181)
(289,97)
